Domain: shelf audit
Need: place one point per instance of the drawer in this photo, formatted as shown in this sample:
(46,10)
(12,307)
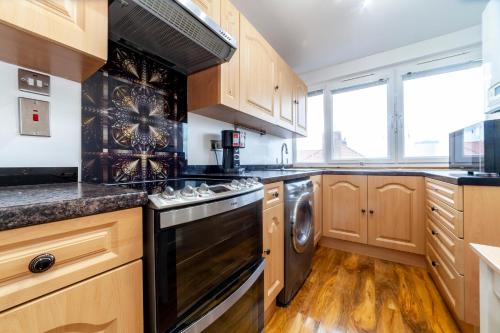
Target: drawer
(448,281)
(450,194)
(109,302)
(82,247)
(448,246)
(449,218)
(273,194)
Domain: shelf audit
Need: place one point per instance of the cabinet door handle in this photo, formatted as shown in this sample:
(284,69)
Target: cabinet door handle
(276,195)
(371,211)
(276,87)
(434,263)
(363,211)
(42,263)
(267,252)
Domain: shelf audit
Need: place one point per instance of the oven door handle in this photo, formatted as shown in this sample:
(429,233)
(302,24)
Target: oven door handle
(220,309)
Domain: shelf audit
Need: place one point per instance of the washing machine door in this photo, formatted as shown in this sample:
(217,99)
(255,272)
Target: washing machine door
(302,222)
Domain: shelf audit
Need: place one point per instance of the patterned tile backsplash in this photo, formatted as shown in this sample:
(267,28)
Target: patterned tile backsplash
(134,120)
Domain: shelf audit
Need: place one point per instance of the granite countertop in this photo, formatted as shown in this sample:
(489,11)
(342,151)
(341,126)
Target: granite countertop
(457,177)
(265,176)
(22,206)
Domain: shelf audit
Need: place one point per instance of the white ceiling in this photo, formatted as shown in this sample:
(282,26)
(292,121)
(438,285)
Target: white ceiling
(312,34)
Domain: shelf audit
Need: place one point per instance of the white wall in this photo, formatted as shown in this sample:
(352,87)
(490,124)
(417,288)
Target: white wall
(258,149)
(453,41)
(62,149)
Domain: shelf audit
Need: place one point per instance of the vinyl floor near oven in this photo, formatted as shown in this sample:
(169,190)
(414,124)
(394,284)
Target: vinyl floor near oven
(352,293)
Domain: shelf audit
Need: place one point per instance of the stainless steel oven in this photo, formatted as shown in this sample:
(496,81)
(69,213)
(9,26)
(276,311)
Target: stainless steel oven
(204,266)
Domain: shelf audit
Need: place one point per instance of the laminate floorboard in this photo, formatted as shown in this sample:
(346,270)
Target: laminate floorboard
(347,292)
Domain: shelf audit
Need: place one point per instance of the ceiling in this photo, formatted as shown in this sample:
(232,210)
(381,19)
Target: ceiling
(312,34)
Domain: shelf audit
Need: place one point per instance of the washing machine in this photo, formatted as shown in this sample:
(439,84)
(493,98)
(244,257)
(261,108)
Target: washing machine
(299,237)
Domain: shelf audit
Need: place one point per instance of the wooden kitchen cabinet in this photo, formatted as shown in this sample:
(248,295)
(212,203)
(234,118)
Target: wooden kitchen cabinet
(210,7)
(300,103)
(110,302)
(345,207)
(396,213)
(258,73)
(218,86)
(318,207)
(82,247)
(274,248)
(64,38)
(285,96)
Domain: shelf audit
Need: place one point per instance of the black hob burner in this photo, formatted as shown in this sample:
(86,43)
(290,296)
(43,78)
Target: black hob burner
(177,192)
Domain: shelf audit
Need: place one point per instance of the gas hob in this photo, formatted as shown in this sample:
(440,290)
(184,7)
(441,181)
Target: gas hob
(177,192)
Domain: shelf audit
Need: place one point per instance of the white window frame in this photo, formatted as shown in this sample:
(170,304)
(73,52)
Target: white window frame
(394,76)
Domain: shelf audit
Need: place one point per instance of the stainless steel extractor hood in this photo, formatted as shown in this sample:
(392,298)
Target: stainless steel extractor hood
(174,30)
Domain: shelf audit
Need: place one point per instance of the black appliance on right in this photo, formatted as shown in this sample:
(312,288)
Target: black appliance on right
(476,148)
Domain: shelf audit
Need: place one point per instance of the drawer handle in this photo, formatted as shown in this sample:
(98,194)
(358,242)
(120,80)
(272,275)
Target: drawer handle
(276,195)
(434,233)
(434,209)
(42,263)
(363,211)
(434,263)
(267,252)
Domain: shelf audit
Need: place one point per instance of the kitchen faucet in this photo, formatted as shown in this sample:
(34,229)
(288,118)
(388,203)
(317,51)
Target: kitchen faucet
(285,147)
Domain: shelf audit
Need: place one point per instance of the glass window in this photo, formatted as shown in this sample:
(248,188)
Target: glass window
(359,122)
(310,148)
(437,103)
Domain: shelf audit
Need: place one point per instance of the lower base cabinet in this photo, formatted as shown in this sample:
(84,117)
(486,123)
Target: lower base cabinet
(274,247)
(383,211)
(110,302)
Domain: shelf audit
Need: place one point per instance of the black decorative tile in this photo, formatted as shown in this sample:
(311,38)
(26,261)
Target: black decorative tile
(134,113)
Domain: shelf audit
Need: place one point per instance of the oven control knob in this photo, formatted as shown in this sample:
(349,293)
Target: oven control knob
(188,192)
(236,184)
(168,193)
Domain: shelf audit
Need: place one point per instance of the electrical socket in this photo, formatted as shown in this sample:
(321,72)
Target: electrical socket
(215,144)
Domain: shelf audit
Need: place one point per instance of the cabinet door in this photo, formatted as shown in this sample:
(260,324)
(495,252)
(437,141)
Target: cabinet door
(110,302)
(318,212)
(82,25)
(230,71)
(396,213)
(211,8)
(274,247)
(300,101)
(257,73)
(344,207)
(285,105)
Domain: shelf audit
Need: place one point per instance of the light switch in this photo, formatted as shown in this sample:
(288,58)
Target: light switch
(33,82)
(34,117)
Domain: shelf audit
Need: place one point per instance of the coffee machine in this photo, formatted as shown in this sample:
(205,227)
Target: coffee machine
(231,144)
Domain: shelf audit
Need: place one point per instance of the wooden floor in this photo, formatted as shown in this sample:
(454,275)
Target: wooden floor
(352,293)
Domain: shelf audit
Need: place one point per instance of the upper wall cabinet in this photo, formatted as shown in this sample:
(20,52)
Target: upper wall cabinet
(300,103)
(256,88)
(66,38)
(211,7)
(219,86)
(258,72)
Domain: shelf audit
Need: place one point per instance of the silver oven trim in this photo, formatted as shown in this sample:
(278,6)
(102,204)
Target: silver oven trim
(184,215)
(223,307)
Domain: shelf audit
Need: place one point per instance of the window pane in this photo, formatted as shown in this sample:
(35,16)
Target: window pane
(310,148)
(359,122)
(438,104)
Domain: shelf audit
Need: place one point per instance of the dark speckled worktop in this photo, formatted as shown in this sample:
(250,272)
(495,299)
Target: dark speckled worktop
(22,206)
(456,177)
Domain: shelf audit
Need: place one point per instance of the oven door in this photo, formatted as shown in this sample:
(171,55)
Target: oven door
(199,251)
